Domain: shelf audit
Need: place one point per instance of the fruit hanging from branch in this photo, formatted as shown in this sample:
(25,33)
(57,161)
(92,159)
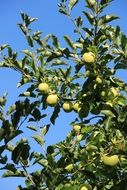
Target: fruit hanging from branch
(52,100)
(43,88)
(88,57)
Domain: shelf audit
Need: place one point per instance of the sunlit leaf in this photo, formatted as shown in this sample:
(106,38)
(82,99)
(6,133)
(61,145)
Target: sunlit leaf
(72,3)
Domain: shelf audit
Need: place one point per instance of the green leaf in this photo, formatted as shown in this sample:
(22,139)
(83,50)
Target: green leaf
(103,2)
(2,148)
(23,28)
(58,62)
(21,151)
(79,21)
(10,167)
(43,162)
(29,40)
(33,128)
(108,122)
(36,114)
(122,65)
(12,174)
(55,114)
(55,41)
(3,159)
(68,71)
(27,52)
(45,129)
(88,31)
(27,20)
(108,113)
(2,134)
(38,139)
(12,135)
(69,42)
(89,16)
(72,3)
(50,149)
(4,46)
(91,3)
(63,8)
(11,109)
(106,19)
(86,129)
(117,31)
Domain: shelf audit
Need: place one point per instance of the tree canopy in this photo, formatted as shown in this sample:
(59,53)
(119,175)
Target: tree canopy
(80,77)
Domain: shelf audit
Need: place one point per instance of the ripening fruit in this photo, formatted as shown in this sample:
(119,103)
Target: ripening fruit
(52,100)
(76,106)
(99,80)
(26,93)
(77,128)
(67,106)
(103,93)
(43,87)
(114,91)
(83,188)
(69,167)
(88,57)
(110,160)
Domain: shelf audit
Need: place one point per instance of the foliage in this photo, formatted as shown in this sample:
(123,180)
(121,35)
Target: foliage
(101,113)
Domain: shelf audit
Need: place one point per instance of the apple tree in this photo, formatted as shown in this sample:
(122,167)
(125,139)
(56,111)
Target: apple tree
(80,78)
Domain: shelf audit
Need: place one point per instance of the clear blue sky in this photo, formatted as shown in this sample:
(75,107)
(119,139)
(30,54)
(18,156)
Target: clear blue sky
(50,21)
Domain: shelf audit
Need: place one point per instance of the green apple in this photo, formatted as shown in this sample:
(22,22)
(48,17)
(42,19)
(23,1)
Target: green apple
(43,87)
(67,106)
(52,100)
(110,160)
(88,57)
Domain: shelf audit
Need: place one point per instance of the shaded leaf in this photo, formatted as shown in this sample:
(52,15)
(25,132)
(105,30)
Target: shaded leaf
(69,42)
(55,41)
(122,65)
(89,17)
(12,135)
(79,21)
(29,40)
(55,114)
(21,151)
(12,174)
(2,134)
(36,114)
(10,167)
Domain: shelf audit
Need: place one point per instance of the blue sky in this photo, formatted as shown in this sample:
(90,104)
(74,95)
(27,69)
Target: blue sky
(49,21)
